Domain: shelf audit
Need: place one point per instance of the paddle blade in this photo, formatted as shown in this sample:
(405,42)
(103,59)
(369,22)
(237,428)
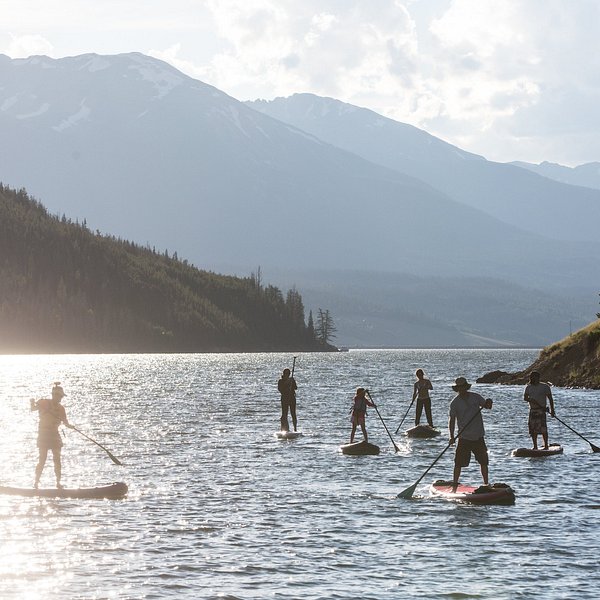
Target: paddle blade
(114,458)
(407,494)
(594,448)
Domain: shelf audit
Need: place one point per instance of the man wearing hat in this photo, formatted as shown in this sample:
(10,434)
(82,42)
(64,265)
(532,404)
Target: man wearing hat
(465,410)
(52,414)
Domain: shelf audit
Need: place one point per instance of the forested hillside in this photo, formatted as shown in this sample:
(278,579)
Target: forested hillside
(64,288)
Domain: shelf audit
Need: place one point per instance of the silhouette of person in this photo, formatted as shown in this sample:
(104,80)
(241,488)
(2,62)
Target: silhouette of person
(421,393)
(51,414)
(287,388)
(359,412)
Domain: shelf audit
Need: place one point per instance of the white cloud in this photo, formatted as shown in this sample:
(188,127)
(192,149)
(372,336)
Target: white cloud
(22,46)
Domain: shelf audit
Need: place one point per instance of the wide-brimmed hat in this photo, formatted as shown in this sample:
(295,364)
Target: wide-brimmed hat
(461,383)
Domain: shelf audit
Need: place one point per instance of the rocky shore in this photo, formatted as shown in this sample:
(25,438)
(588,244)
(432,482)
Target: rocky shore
(572,362)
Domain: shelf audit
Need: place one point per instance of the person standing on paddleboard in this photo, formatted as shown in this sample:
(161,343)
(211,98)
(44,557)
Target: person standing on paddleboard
(421,393)
(52,414)
(359,412)
(287,388)
(536,393)
(465,410)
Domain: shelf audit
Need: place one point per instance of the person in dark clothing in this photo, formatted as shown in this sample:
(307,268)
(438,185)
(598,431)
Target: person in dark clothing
(287,388)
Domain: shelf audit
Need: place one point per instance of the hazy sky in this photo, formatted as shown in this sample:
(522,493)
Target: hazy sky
(509,79)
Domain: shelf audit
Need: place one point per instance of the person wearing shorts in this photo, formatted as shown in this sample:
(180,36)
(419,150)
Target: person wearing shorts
(52,415)
(536,393)
(465,411)
(359,412)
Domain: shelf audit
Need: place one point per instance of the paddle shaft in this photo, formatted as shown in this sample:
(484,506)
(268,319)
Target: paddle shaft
(110,454)
(594,448)
(383,422)
(405,415)
(408,492)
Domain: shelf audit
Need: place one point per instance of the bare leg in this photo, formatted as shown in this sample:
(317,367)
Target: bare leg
(364,431)
(534,438)
(484,474)
(40,466)
(57,466)
(545,436)
(456,479)
(353,432)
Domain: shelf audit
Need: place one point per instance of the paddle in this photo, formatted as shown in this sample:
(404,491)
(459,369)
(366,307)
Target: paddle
(594,448)
(409,491)
(382,421)
(110,454)
(405,415)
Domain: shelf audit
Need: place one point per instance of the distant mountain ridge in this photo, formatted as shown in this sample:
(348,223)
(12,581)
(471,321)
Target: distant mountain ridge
(516,196)
(586,175)
(144,152)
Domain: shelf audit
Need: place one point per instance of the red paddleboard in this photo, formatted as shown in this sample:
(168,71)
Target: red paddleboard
(497,493)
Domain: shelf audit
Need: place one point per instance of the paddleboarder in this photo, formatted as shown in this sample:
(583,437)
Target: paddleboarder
(421,393)
(51,414)
(287,388)
(359,412)
(536,393)
(465,409)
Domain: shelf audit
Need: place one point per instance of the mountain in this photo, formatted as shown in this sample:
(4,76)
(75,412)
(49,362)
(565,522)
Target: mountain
(586,175)
(135,148)
(65,289)
(515,196)
(144,152)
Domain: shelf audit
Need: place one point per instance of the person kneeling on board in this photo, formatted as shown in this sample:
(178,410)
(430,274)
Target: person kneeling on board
(465,410)
(359,412)
(287,388)
(52,413)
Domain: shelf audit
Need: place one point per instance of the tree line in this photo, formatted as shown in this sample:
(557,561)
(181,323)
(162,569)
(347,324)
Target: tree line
(64,288)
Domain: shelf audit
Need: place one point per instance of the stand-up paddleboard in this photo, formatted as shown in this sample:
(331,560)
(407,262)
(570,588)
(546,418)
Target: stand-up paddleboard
(360,448)
(422,431)
(288,435)
(531,452)
(114,491)
(497,493)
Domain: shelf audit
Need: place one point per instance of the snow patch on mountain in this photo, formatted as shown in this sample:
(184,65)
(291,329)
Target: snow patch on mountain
(163,80)
(36,113)
(82,114)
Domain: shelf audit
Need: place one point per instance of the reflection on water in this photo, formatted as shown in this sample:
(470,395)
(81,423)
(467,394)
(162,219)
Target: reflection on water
(219,508)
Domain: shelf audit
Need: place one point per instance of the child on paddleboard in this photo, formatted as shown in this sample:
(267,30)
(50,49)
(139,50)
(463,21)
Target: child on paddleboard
(359,412)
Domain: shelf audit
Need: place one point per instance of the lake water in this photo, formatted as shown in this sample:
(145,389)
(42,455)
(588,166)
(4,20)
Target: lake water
(219,508)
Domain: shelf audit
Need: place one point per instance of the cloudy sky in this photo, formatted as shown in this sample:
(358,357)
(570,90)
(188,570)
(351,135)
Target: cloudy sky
(508,79)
